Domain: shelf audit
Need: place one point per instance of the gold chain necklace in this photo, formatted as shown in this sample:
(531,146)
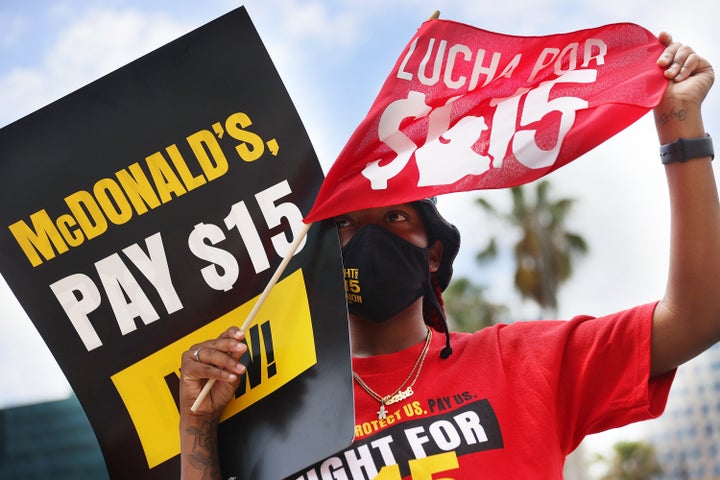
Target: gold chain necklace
(401,393)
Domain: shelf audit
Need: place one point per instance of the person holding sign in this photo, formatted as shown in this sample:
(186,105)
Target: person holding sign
(510,401)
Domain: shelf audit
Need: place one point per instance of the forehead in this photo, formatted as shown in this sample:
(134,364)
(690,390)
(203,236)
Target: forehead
(407,208)
(404,220)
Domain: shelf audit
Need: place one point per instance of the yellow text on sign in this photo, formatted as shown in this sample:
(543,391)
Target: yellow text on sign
(149,401)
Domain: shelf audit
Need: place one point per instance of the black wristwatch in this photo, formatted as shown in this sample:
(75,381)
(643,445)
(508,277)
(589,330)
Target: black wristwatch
(683,149)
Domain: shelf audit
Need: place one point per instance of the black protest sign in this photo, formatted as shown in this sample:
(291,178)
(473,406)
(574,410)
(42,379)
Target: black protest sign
(146,212)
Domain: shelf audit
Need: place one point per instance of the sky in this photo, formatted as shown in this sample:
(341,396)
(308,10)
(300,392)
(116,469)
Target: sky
(333,56)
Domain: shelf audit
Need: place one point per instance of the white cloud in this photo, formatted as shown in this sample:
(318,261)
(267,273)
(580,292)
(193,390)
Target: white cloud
(96,43)
(13,28)
(317,21)
(103,40)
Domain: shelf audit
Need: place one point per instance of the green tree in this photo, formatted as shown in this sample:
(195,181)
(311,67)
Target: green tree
(632,461)
(545,252)
(467,308)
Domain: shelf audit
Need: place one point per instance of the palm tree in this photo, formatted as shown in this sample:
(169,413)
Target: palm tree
(632,461)
(467,308)
(546,249)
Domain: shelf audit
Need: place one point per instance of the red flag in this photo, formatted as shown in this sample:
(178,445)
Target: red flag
(466,109)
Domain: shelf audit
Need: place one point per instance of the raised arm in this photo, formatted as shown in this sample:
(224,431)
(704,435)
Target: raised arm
(217,359)
(687,319)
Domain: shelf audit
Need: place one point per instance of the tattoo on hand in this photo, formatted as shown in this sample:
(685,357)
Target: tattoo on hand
(664,118)
(204,451)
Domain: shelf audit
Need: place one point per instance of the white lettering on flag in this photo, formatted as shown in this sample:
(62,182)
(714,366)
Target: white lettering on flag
(447,155)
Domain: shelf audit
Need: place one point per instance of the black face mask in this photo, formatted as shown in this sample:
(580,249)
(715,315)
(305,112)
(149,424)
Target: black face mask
(384,273)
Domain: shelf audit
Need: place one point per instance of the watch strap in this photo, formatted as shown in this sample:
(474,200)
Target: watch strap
(683,149)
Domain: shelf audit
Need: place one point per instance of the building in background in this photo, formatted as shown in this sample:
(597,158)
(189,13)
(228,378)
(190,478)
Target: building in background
(51,440)
(687,436)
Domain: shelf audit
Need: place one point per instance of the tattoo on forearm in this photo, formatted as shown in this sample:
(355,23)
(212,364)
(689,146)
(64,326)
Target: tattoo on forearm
(664,118)
(204,455)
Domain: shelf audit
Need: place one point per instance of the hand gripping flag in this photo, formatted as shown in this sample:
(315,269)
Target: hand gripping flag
(466,109)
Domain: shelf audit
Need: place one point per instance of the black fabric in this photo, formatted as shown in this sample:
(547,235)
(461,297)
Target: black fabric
(384,273)
(438,228)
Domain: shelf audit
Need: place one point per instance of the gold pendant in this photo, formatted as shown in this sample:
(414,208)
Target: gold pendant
(399,396)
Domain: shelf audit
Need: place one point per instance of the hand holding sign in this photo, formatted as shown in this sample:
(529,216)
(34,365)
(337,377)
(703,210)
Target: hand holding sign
(299,239)
(217,360)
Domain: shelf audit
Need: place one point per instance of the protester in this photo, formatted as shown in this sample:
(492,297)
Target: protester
(510,401)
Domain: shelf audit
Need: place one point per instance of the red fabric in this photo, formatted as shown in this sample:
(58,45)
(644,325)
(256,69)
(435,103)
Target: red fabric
(533,105)
(511,401)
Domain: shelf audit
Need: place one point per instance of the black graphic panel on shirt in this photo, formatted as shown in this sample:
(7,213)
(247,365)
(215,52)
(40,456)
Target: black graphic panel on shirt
(470,429)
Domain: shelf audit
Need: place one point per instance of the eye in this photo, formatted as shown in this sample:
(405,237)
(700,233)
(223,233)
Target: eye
(341,222)
(396,216)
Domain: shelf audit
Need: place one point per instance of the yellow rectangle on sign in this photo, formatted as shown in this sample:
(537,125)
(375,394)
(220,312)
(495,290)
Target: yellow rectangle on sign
(285,317)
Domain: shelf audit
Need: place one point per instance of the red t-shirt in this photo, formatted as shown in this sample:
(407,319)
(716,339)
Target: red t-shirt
(510,402)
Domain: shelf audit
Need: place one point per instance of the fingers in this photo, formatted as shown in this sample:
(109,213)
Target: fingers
(217,358)
(683,64)
(679,61)
(665,38)
(666,58)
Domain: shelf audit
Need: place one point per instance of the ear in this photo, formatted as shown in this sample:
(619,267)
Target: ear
(436,253)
